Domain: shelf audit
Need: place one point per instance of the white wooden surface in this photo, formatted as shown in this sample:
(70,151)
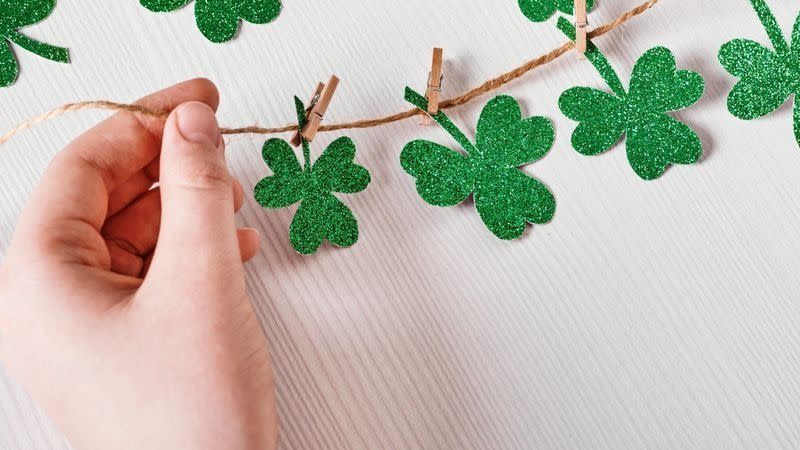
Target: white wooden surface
(657,315)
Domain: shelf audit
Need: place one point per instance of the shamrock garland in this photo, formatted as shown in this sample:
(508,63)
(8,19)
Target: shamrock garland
(767,78)
(320,215)
(506,197)
(15,14)
(654,138)
(541,10)
(218,20)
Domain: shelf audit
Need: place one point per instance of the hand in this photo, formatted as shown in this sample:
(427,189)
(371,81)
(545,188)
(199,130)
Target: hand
(123,308)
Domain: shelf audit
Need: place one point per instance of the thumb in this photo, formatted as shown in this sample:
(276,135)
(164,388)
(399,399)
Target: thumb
(197,219)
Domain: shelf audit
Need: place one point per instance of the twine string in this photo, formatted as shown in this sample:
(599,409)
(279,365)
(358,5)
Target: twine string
(462,99)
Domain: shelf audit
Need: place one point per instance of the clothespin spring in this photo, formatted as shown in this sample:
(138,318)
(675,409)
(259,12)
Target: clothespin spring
(315,111)
(435,87)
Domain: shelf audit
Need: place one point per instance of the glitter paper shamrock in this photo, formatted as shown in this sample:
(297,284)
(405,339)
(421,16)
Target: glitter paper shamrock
(15,14)
(320,215)
(218,20)
(767,78)
(507,199)
(654,138)
(541,10)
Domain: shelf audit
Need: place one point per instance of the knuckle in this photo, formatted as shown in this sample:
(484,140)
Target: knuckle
(73,240)
(125,245)
(206,175)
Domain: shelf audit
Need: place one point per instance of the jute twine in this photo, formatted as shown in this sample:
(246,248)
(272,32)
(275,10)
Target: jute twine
(462,99)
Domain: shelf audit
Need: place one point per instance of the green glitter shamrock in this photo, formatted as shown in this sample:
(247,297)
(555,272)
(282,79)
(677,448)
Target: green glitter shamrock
(767,78)
(654,138)
(218,20)
(320,215)
(16,14)
(507,199)
(541,10)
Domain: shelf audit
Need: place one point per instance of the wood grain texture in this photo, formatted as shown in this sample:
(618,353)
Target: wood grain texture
(658,315)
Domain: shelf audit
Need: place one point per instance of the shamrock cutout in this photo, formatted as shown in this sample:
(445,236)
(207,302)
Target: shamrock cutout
(767,78)
(507,199)
(654,138)
(541,10)
(15,14)
(320,215)
(218,20)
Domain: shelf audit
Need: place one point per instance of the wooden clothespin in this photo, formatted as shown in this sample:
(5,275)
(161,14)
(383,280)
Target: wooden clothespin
(581,27)
(316,110)
(434,91)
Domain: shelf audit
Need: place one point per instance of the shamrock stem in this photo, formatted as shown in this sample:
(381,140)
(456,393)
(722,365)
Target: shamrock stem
(306,155)
(300,109)
(48,51)
(771,26)
(597,58)
(421,102)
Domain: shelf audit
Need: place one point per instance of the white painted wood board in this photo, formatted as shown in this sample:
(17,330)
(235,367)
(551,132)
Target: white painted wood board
(658,315)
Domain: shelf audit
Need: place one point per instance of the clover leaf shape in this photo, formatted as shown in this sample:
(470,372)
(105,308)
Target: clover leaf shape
(218,20)
(321,215)
(541,10)
(507,199)
(15,14)
(654,138)
(766,78)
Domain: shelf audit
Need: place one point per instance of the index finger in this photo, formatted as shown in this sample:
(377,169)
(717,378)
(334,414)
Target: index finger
(77,183)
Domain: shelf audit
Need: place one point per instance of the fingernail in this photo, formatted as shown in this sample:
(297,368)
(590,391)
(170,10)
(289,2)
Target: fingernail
(252,230)
(197,123)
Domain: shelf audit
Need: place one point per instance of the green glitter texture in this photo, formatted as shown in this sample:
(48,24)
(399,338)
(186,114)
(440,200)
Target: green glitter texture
(320,215)
(654,139)
(507,199)
(541,10)
(218,20)
(766,78)
(15,14)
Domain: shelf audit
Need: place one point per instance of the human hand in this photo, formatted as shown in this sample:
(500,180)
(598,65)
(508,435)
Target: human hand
(123,309)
